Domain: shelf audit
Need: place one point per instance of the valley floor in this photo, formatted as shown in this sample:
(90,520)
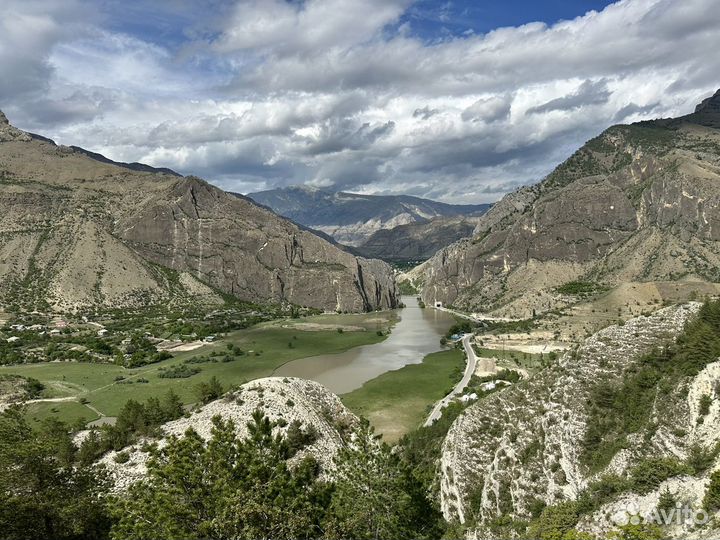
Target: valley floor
(398,401)
(84,391)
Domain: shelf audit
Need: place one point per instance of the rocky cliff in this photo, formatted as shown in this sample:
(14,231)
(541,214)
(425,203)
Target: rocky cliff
(639,202)
(608,428)
(78,231)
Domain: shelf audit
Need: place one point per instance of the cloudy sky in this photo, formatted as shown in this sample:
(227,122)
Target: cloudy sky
(456,100)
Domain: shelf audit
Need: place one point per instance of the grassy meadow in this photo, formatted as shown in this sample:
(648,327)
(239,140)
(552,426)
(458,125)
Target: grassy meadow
(398,401)
(267,346)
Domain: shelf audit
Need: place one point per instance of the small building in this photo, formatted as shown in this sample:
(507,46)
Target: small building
(103,332)
(468,397)
(13,339)
(209,339)
(55,332)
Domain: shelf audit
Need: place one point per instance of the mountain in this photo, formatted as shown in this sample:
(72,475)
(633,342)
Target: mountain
(78,230)
(351,218)
(639,203)
(416,241)
(617,427)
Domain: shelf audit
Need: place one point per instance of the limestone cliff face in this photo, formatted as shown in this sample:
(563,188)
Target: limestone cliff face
(76,232)
(250,252)
(639,202)
(524,444)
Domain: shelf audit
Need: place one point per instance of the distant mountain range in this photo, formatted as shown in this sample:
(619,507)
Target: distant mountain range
(351,218)
(80,231)
(416,242)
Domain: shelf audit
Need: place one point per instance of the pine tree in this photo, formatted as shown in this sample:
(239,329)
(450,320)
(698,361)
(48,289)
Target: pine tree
(43,493)
(224,488)
(377,497)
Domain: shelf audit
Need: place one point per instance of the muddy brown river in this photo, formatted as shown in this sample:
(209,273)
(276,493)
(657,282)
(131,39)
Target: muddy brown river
(414,336)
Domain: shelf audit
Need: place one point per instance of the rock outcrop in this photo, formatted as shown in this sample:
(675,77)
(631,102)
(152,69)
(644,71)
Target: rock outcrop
(77,231)
(524,444)
(282,400)
(640,202)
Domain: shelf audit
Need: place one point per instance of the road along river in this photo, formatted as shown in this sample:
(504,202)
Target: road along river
(416,335)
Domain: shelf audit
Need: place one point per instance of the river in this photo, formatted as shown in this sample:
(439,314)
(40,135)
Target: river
(414,336)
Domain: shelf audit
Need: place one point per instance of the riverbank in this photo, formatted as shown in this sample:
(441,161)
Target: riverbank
(239,357)
(398,401)
(415,335)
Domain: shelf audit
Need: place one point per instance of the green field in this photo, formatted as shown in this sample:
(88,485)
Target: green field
(266,346)
(398,401)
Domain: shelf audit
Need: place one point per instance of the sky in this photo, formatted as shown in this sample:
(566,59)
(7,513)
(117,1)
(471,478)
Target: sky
(459,101)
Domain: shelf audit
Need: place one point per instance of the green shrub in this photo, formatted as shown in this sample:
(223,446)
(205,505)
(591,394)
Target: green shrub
(651,472)
(712,495)
(179,372)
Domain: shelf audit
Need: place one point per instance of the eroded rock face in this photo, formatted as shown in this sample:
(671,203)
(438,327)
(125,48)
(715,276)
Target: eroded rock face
(638,203)
(280,399)
(77,231)
(524,443)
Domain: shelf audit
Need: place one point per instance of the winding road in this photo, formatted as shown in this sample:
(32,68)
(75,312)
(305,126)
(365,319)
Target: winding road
(460,386)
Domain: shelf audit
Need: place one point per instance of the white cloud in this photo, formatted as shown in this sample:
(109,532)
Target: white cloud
(334,92)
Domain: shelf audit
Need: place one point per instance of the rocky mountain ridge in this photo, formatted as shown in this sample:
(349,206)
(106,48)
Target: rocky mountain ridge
(527,445)
(352,218)
(416,241)
(639,202)
(79,232)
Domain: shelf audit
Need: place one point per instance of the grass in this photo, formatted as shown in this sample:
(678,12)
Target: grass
(397,401)
(269,343)
(67,411)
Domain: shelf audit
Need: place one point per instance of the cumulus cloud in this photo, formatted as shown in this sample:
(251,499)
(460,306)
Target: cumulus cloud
(253,94)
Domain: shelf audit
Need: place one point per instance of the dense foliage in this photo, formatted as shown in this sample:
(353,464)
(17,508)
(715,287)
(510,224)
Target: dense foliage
(44,492)
(226,487)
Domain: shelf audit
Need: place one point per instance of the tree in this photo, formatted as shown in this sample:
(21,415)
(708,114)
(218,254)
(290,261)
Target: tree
(172,406)
(555,522)
(43,493)
(641,531)
(377,497)
(210,390)
(667,501)
(712,495)
(224,488)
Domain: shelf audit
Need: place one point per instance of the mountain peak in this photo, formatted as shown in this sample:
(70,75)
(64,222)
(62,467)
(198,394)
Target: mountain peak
(8,132)
(711,104)
(707,113)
